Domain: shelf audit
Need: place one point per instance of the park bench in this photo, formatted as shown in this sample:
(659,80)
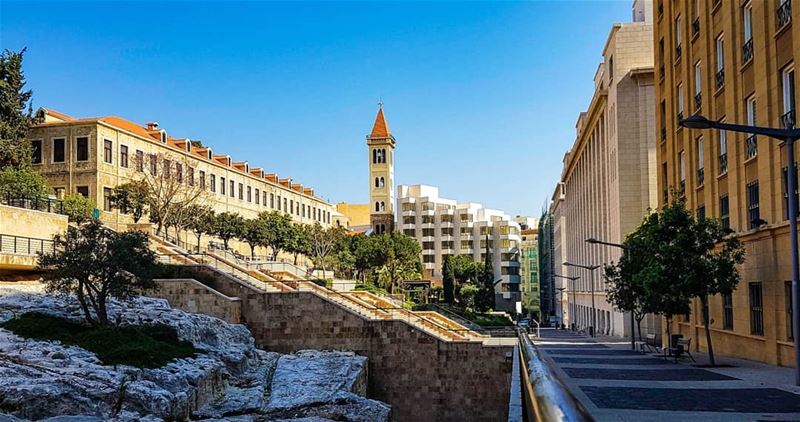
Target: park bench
(648,345)
(680,349)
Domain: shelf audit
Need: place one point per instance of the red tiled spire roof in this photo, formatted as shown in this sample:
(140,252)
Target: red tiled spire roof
(380,129)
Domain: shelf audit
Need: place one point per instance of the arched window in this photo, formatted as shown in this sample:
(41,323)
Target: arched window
(384,155)
(377,182)
(383,206)
(377,206)
(374,156)
(381,182)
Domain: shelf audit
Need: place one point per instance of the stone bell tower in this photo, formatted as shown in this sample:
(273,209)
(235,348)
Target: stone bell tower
(380,145)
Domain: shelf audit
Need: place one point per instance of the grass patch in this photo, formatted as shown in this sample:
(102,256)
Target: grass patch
(142,346)
(369,287)
(492,320)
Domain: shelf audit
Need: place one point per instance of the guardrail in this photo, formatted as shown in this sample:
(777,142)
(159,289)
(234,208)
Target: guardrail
(38,204)
(19,245)
(545,397)
(212,262)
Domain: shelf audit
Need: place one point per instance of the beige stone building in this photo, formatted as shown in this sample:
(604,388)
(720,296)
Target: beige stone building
(732,61)
(609,173)
(91,156)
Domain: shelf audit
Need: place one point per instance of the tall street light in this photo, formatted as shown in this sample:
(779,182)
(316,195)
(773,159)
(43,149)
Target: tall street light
(594,241)
(561,306)
(572,279)
(788,135)
(591,269)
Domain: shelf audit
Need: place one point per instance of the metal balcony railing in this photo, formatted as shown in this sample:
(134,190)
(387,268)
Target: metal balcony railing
(663,134)
(698,100)
(680,116)
(695,26)
(20,245)
(788,119)
(660,9)
(720,78)
(545,396)
(678,52)
(701,176)
(751,147)
(35,203)
(747,51)
(683,187)
(723,163)
(784,13)
(661,71)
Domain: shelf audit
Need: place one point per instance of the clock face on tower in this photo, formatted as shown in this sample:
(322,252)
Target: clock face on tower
(380,145)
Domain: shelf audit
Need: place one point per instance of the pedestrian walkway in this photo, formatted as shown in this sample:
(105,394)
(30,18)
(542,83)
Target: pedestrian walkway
(616,383)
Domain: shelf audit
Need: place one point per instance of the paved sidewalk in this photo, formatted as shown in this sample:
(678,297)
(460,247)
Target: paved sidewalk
(618,384)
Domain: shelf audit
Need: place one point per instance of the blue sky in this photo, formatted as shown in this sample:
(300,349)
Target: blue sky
(481,96)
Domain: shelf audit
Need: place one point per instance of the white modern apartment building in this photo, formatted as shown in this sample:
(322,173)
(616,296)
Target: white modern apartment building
(609,177)
(445,227)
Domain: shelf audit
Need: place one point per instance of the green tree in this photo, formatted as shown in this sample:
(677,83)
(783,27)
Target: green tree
(254,233)
(299,240)
(448,281)
(228,225)
(366,254)
(485,299)
(323,242)
(16,116)
(78,208)
(94,263)
(467,296)
(398,259)
(202,223)
(279,226)
(22,183)
(132,198)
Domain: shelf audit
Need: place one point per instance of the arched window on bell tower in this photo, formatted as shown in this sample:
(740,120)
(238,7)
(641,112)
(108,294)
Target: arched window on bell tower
(377,207)
(381,182)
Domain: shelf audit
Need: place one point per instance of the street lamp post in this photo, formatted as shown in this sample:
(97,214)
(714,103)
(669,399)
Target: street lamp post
(591,269)
(594,241)
(572,279)
(561,306)
(788,135)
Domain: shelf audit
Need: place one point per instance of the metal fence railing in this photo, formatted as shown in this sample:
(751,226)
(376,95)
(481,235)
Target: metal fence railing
(35,203)
(545,397)
(20,245)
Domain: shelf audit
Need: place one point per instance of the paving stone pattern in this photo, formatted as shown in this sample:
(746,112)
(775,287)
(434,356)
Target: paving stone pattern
(749,400)
(611,361)
(647,374)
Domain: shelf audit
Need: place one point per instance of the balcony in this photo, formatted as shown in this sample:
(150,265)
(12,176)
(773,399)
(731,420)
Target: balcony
(751,147)
(723,163)
(677,52)
(660,9)
(663,134)
(683,187)
(661,71)
(701,176)
(698,101)
(788,119)
(695,27)
(747,51)
(785,14)
(720,78)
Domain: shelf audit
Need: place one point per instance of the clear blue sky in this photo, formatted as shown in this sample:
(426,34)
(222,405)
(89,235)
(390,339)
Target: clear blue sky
(482,97)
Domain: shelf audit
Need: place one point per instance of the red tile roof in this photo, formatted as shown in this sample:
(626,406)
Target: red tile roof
(380,129)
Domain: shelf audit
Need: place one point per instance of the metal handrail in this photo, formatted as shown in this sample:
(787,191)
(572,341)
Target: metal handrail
(538,328)
(546,397)
(21,245)
(44,204)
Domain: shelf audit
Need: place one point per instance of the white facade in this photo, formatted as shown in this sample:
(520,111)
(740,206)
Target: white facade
(446,227)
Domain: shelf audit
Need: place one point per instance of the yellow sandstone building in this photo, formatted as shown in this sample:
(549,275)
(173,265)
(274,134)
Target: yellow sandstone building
(91,156)
(732,61)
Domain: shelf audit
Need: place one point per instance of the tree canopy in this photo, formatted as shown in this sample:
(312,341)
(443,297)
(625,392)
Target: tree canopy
(16,115)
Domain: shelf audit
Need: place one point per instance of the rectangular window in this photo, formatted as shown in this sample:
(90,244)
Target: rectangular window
(202,180)
(249,193)
(680,101)
(212,182)
(153,164)
(724,211)
(190,176)
(139,161)
(701,171)
(753,213)
(166,171)
(756,309)
(222,185)
(789,308)
(123,156)
(265,198)
(106,199)
(303,210)
(747,18)
(82,149)
(36,153)
(258,197)
(727,311)
(701,212)
(272,200)
(678,35)
(682,169)
(241,192)
(83,191)
(466,244)
(232,190)
(787,86)
(59,145)
(108,151)
(698,79)
(751,145)
(720,53)
(179,172)
(285,205)
(290,210)
(409,232)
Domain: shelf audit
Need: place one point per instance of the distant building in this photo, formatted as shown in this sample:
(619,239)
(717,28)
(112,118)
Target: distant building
(444,227)
(547,281)
(529,273)
(357,215)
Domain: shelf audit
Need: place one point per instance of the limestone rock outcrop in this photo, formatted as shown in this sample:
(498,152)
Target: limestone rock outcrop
(229,379)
